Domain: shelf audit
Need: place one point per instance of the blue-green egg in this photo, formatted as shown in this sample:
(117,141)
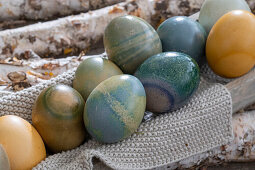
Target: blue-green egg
(182,34)
(115,108)
(129,41)
(169,79)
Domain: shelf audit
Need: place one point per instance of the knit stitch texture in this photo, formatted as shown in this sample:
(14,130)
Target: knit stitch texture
(202,124)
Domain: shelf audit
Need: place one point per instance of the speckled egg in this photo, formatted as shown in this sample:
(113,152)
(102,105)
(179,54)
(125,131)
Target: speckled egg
(169,80)
(212,10)
(4,160)
(129,41)
(58,116)
(182,34)
(115,108)
(22,143)
(230,45)
(91,72)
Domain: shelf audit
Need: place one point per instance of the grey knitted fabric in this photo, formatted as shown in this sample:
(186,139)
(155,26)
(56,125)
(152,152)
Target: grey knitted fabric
(202,124)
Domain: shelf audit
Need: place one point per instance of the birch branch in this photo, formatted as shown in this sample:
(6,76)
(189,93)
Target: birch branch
(48,9)
(69,35)
(168,8)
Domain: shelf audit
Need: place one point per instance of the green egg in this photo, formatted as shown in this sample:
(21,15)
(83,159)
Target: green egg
(58,117)
(129,41)
(115,108)
(170,79)
(4,161)
(212,10)
(91,72)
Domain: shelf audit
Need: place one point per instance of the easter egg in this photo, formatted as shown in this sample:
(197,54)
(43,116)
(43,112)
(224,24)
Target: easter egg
(58,116)
(182,34)
(169,79)
(22,143)
(230,45)
(91,72)
(129,41)
(4,161)
(212,10)
(115,108)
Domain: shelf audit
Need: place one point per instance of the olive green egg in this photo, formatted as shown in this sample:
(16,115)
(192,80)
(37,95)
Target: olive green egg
(91,72)
(58,117)
(129,41)
(4,161)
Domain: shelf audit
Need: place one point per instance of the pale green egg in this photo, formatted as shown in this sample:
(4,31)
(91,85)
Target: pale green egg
(212,10)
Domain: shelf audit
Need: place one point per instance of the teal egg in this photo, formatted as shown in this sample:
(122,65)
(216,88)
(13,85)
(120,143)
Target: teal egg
(212,10)
(115,108)
(169,79)
(182,34)
(129,41)
(91,72)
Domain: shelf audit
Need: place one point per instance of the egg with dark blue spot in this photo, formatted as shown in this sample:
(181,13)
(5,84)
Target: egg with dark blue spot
(115,108)
(182,34)
(169,79)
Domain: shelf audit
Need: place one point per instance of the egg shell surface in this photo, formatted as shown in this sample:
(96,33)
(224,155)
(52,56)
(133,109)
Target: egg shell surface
(182,34)
(91,72)
(58,116)
(169,79)
(115,108)
(230,45)
(212,10)
(22,143)
(129,41)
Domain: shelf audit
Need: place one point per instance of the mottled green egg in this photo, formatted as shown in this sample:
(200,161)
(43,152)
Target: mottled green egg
(115,108)
(129,41)
(58,117)
(169,79)
(91,72)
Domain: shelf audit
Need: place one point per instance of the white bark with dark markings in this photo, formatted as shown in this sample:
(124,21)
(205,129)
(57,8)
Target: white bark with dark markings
(47,9)
(66,36)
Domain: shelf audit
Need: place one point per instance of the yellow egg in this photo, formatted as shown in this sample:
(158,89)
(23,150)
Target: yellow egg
(23,144)
(230,45)
(4,161)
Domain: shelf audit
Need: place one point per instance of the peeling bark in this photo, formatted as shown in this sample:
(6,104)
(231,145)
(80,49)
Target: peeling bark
(66,36)
(168,8)
(70,35)
(48,9)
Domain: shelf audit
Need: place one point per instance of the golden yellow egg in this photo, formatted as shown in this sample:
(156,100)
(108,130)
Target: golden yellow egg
(22,143)
(230,47)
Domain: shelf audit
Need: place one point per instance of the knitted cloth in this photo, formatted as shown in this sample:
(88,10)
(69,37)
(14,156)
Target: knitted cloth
(202,124)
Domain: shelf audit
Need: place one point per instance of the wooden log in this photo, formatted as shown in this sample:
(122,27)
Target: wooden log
(48,9)
(69,35)
(168,8)
(243,91)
